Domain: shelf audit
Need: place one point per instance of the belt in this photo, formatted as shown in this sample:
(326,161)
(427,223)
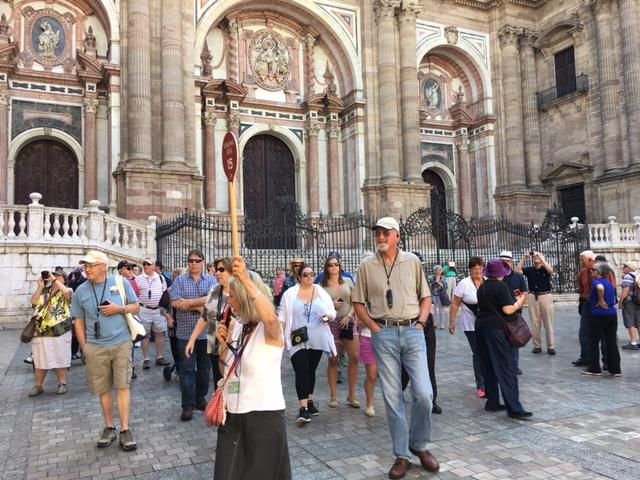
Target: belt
(540,293)
(150,308)
(395,323)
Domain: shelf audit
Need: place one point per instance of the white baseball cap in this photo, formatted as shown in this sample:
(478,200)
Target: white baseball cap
(94,256)
(388,223)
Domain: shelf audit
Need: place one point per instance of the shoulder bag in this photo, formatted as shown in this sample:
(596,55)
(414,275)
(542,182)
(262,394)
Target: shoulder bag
(29,330)
(135,326)
(517,330)
(301,335)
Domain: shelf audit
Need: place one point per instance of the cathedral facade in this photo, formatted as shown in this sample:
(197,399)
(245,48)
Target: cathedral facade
(494,107)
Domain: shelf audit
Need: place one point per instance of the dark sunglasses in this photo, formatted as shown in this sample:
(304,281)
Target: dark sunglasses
(221,269)
(146,264)
(308,274)
(126,267)
(195,260)
(333,264)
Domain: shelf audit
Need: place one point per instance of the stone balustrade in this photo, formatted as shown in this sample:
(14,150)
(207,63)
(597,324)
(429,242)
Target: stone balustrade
(614,235)
(35,237)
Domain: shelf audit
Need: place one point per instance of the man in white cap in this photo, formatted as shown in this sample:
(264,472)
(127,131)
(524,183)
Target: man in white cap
(392,299)
(105,339)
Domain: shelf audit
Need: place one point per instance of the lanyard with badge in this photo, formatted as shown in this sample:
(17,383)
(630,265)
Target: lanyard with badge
(245,335)
(389,293)
(96,325)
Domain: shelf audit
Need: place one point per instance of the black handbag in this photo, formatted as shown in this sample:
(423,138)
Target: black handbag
(29,330)
(299,335)
(346,333)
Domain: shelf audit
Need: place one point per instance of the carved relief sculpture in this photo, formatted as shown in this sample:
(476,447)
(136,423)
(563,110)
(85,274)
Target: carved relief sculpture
(48,33)
(269,60)
(451,34)
(49,39)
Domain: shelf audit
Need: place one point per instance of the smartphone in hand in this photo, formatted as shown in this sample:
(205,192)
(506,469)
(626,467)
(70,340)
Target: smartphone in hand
(517,292)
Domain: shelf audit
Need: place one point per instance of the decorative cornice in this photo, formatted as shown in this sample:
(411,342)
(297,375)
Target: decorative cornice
(490,4)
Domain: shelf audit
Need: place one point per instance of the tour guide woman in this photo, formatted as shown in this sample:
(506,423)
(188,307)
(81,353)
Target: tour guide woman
(495,306)
(253,441)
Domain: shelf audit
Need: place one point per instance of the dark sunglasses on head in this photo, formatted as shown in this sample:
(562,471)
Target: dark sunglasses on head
(221,269)
(195,260)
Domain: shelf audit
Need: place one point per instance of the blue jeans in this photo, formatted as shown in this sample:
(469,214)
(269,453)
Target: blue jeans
(397,347)
(583,333)
(194,373)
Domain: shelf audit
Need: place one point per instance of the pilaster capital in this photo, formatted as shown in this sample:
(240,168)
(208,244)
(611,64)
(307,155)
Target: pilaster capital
(4,98)
(209,119)
(313,130)
(463,144)
(233,121)
(309,40)
(600,7)
(386,9)
(509,35)
(528,39)
(90,105)
(232,26)
(333,131)
(408,14)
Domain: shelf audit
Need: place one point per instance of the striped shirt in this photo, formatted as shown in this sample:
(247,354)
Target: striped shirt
(150,288)
(186,288)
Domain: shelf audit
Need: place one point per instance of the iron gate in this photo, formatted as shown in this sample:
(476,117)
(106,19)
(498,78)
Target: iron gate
(439,236)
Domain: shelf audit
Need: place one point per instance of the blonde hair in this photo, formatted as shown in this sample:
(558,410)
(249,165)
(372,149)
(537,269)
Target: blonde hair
(247,309)
(176,272)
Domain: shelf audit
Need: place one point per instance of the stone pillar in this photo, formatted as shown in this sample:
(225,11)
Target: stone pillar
(388,91)
(532,147)
(607,77)
(464,180)
(512,94)
(232,50)
(333,131)
(629,12)
(313,185)
(4,145)
(173,114)
(90,150)
(139,84)
(309,68)
(409,93)
(209,160)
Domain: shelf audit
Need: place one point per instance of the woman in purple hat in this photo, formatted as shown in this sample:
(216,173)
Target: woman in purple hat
(497,305)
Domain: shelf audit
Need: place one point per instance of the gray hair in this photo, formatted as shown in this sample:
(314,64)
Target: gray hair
(603,269)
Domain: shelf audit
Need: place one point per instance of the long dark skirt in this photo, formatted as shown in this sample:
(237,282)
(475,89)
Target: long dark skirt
(253,446)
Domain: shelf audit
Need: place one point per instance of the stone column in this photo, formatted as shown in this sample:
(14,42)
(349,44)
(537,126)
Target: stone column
(90,150)
(309,69)
(409,94)
(607,77)
(532,148)
(232,50)
(4,145)
(388,91)
(333,131)
(464,180)
(630,32)
(512,94)
(313,185)
(139,84)
(173,115)
(209,160)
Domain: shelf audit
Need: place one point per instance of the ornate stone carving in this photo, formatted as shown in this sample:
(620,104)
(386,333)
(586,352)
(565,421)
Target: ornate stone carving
(409,13)
(313,130)
(333,132)
(310,72)
(5,28)
(451,34)
(4,98)
(90,40)
(433,94)
(331,87)
(509,35)
(600,7)
(205,58)
(269,60)
(460,95)
(232,49)
(90,105)
(386,8)
(48,36)
(209,119)
(233,122)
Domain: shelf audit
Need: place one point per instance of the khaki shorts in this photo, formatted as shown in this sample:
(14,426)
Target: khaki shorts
(108,367)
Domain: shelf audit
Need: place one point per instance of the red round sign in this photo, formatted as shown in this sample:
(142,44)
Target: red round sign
(230,155)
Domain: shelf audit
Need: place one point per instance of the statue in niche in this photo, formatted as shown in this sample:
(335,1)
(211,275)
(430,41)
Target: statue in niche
(269,60)
(48,40)
(432,94)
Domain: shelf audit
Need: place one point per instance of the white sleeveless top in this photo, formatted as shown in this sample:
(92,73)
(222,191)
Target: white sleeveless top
(255,384)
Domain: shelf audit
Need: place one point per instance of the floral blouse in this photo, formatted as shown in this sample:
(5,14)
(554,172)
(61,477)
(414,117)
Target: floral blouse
(53,314)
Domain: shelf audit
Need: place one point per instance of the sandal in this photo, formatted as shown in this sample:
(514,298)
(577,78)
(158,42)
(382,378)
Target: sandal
(36,390)
(333,403)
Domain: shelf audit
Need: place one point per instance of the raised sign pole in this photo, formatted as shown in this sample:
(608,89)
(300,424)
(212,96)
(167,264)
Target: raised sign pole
(230,164)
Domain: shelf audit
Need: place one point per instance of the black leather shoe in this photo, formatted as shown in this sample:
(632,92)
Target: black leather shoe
(537,350)
(436,409)
(519,415)
(551,351)
(499,408)
(579,363)
(399,468)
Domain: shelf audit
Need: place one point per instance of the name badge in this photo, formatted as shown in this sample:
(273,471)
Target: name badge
(234,387)
(114,290)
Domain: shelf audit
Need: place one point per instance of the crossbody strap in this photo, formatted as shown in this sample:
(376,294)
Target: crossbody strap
(492,306)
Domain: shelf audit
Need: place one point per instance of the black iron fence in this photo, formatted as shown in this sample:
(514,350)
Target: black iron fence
(438,236)
(577,85)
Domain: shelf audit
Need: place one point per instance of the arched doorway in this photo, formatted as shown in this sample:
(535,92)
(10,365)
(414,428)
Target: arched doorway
(269,193)
(50,168)
(438,206)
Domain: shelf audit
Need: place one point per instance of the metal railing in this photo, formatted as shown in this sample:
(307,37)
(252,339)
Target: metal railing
(576,86)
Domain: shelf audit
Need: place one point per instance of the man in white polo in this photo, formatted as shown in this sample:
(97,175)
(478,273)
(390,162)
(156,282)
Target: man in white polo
(151,285)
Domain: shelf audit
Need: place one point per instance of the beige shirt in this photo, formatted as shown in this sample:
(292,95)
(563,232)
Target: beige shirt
(407,282)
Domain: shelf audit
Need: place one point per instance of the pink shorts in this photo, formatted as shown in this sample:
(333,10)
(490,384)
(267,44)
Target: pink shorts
(367,356)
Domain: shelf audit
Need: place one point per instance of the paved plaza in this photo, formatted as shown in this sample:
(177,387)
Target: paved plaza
(582,428)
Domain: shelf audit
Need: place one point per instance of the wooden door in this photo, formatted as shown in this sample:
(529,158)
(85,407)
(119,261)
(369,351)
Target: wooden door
(49,168)
(269,193)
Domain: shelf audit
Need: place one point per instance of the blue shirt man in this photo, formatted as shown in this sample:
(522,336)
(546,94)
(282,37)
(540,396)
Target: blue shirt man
(189,293)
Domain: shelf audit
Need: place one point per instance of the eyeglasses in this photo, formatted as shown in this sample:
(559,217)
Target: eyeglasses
(146,264)
(333,264)
(221,269)
(195,260)
(307,274)
(383,232)
(126,268)
(90,265)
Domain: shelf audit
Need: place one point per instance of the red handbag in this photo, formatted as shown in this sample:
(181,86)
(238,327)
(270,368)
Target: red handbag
(216,412)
